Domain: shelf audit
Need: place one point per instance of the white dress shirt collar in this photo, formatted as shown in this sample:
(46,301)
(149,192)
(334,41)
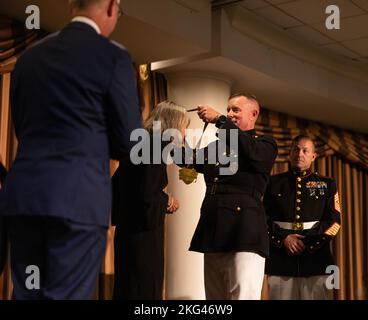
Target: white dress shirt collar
(88,21)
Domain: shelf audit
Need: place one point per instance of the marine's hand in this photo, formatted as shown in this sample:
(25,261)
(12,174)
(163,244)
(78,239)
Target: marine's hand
(293,244)
(208,114)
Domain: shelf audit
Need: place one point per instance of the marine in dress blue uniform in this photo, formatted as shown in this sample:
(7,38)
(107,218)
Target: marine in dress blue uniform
(232,229)
(303,211)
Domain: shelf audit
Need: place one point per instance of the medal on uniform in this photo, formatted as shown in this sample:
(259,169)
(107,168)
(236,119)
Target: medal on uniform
(188,174)
(321,187)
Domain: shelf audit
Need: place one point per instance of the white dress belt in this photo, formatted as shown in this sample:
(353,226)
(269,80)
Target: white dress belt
(291,225)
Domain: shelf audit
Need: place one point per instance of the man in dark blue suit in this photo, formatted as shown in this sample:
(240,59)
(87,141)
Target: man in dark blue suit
(74,104)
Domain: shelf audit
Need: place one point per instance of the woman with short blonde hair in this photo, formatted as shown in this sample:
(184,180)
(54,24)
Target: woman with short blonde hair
(171,115)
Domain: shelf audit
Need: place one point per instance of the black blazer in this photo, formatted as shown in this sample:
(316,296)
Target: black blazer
(74,104)
(139,202)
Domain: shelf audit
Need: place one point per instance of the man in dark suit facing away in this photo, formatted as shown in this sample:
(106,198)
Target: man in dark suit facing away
(74,104)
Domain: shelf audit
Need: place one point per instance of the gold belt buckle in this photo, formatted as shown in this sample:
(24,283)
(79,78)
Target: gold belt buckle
(298,226)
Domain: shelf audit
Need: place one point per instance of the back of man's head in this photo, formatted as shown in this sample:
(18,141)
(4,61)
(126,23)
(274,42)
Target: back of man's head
(103,12)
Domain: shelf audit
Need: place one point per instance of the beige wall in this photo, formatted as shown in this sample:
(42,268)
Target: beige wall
(184,269)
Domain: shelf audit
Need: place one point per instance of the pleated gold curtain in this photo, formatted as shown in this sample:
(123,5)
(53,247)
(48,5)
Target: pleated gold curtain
(7,143)
(350,245)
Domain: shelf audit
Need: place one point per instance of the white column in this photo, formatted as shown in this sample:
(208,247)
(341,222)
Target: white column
(184,269)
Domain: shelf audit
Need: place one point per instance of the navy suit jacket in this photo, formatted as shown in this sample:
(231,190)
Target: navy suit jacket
(74,104)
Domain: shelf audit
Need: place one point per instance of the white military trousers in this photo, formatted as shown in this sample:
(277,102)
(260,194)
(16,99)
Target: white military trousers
(233,275)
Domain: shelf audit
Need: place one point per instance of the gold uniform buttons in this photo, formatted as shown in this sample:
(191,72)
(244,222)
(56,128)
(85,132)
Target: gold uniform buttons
(299,179)
(238,209)
(298,200)
(299,192)
(279,195)
(299,185)
(298,209)
(216,179)
(297,217)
